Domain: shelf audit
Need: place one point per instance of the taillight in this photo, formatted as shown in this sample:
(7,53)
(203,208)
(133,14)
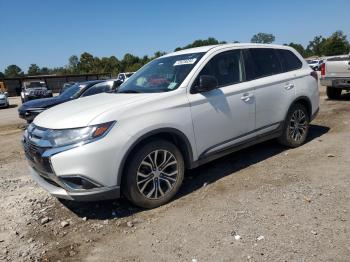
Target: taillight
(314,75)
(323,69)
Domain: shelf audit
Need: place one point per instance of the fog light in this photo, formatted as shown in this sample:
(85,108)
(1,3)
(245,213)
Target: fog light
(79,183)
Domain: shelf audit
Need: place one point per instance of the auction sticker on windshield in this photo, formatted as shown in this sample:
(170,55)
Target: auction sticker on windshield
(185,62)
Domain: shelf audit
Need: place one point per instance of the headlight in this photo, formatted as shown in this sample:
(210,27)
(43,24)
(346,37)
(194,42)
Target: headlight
(66,137)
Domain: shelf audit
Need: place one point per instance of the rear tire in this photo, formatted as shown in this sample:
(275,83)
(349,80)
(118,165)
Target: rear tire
(296,126)
(154,174)
(333,93)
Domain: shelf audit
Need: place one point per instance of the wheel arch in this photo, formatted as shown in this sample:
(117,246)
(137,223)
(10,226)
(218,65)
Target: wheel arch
(305,101)
(172,135)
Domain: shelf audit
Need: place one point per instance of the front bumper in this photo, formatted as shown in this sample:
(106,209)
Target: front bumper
(96,164)
(42,172)
(336,82)
(49,183)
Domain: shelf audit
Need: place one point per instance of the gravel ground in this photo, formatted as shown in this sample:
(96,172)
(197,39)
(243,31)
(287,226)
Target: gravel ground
(265,203)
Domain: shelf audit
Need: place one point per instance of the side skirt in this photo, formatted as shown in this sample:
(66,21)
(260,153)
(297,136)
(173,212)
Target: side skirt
(203,159)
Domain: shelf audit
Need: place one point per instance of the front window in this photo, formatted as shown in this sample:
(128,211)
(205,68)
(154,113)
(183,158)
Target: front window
(161,75)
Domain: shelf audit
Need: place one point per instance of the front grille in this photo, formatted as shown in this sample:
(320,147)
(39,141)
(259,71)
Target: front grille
(33,150)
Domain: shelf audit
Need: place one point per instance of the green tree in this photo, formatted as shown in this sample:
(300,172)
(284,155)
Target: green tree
(109,65)
(336,44)
(128,62)
(33,70)
(263,38)
(316,46)
(199,42)
(13,71)
(44,71)
(86,63)
(158,54)
(298,47)
(73,64)
(2,75)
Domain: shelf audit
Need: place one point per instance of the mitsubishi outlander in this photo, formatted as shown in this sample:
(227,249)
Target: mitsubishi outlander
(177,112)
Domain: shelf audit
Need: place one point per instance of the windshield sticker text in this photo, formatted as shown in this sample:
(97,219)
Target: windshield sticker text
(185,62)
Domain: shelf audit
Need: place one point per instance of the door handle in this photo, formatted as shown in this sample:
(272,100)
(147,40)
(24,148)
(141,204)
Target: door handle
(246,97)
(289,86)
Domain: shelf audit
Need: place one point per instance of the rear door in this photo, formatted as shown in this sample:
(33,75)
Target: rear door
(274,88)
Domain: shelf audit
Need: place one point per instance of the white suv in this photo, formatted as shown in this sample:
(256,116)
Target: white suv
(177,112)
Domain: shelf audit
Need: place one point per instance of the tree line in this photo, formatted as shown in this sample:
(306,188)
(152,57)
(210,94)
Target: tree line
(335,44)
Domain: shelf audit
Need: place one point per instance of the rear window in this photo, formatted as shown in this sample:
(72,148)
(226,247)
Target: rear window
(290,61)
(265,62)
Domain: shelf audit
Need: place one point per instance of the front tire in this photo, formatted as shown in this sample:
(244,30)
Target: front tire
(154,174)
(296,126)
(333,93)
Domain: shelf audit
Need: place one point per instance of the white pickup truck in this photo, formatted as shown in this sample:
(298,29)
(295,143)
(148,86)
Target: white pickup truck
(335,74)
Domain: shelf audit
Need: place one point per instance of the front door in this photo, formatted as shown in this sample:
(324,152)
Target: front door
(226,115)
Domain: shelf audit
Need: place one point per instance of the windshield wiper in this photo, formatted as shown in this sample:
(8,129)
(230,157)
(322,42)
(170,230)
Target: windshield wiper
(128,91)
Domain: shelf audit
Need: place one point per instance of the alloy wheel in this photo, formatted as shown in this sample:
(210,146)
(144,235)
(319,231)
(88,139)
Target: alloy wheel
(157,174)
(298,125)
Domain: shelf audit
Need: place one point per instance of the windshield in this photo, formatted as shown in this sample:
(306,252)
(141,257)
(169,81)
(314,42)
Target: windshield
(72,91)
(161,75)
(35,84)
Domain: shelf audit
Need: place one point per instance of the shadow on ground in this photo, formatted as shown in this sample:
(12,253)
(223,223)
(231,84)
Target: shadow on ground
(194,179)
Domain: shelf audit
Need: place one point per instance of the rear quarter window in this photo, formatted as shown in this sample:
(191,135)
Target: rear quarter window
(289,60)
(265,62)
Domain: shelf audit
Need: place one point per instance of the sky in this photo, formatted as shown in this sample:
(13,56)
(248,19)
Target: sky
(47,33)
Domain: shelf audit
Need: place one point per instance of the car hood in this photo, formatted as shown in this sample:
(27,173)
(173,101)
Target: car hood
(43,103)
(80,112)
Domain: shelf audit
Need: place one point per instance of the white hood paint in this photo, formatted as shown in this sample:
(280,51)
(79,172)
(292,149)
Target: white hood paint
(80,112)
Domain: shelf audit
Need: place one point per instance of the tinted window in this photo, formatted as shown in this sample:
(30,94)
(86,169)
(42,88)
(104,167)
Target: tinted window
(226,67)
(98,88)
(290,61)
(265,61)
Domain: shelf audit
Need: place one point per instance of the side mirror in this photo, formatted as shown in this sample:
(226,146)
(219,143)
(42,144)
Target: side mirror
(6,93)
(207,83)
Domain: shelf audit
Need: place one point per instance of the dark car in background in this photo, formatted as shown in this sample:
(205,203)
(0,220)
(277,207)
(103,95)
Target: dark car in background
(31,109)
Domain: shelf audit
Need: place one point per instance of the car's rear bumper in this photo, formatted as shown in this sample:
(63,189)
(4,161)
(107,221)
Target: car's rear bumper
(336,82)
